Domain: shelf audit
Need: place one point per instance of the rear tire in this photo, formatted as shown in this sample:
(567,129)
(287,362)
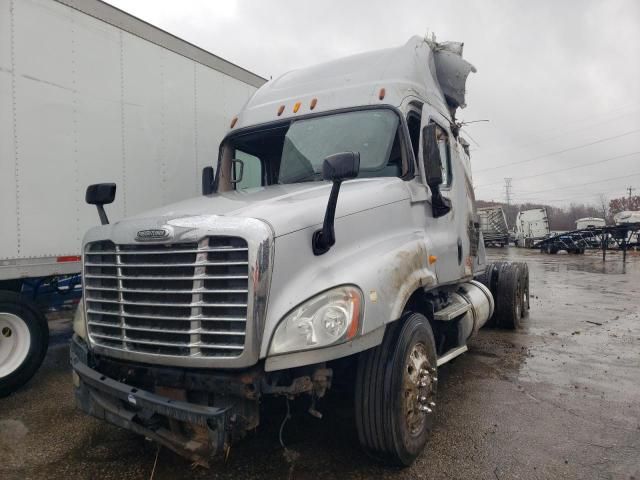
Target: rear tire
(24,338)
(395,392)
(524,285)
(508,297)
(490,279)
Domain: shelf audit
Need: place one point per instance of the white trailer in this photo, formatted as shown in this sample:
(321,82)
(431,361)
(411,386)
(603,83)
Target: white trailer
(89,93)
(493,225)
(531,226)
(590,222)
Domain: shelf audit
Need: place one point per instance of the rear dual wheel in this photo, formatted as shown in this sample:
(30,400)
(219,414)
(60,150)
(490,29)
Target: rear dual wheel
(509,285)
(508,298)
(395,392)
(24,337)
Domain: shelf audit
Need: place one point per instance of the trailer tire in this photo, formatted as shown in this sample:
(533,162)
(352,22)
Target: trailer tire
(394,380)
(24,338)
(508,297)
(524,285)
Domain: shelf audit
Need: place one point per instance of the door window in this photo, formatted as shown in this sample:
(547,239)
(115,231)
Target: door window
(413,122)
(251,171)
(443,143)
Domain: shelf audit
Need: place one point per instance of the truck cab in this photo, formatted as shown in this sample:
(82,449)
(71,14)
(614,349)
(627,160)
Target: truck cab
(336,243)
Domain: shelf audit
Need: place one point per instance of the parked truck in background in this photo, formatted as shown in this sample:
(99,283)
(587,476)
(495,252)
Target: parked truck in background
(530,227)
(493,225)
(590,222)
(90,93)
(336,246)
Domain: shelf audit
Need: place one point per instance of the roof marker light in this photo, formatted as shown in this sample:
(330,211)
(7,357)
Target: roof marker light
(233,122)
(296,107)
(313,103)
(280,110)
(382,93)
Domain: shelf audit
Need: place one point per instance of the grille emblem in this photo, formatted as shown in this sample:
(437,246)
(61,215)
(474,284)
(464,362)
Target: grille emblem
(152,234)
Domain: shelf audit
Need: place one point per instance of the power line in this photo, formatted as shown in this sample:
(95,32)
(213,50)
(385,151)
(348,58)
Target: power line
(557,152)
(584,195)
(568,198)
(561,133)
(588,183)
(564,169)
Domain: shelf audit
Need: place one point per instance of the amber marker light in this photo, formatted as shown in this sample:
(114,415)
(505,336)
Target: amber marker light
(313,103)
(280,110)
(382,93)
(355,317)
(432,259)
(296,107)
(233,122)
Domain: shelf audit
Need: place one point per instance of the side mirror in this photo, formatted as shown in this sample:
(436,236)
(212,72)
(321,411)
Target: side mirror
(341,166)
(431,156)
(101,194)
(433,170)
(236,176)
(207,180)
(336,168)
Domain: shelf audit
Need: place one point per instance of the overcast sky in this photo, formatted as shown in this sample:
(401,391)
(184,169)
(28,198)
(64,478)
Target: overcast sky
(553,76)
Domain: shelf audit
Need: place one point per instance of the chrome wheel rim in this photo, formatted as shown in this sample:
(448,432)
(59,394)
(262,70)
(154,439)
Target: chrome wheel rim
(419,382)
(15,342)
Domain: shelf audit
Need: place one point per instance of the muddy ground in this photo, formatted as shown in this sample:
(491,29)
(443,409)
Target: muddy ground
(559,398)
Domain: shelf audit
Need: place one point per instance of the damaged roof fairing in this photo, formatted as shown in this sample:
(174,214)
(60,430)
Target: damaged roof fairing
(434,72)
(452,71)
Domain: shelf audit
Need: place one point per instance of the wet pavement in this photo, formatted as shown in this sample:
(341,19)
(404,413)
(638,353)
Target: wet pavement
(558,398)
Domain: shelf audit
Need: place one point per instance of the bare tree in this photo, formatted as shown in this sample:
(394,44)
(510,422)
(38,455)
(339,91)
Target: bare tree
(603,203)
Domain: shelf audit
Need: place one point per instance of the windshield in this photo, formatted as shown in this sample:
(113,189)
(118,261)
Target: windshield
(294,152)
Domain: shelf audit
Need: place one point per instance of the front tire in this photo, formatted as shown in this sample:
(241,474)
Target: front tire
(24,338)
(395,392)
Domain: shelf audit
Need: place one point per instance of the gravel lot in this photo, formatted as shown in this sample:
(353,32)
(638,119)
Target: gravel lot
(559,398)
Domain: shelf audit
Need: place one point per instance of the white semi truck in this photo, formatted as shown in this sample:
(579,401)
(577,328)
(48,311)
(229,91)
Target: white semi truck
(90,93)
(337,242)
(531,226)
(590,222)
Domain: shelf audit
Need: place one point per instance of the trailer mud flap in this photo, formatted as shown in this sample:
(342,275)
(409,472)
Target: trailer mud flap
(205,433)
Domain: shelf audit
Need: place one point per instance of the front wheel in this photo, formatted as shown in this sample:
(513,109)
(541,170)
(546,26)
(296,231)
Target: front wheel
(395,392)
(24,337)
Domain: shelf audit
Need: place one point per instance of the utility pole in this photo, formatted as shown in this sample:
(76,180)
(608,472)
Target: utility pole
(630,189)
(507,196)
(507,191)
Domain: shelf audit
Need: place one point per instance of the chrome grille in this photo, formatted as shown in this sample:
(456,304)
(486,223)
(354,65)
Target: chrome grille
(184,299)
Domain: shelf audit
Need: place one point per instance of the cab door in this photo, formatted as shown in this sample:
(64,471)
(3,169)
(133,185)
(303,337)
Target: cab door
(447,233)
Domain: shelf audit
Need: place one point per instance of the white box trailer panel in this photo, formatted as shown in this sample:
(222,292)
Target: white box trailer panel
(590,222)
(532,224)
(83,101)
(493,225)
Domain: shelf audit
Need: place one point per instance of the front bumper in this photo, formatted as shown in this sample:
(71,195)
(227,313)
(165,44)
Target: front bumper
(198,432)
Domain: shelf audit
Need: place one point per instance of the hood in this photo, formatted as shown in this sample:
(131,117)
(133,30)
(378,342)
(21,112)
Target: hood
(286,208)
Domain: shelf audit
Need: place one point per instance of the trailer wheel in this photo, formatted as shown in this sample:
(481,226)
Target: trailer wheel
(524,275)
(395,392)
(508,297)
(24,337)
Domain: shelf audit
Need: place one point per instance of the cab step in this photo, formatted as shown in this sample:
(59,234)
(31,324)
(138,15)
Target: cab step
(451,354)
(451,312)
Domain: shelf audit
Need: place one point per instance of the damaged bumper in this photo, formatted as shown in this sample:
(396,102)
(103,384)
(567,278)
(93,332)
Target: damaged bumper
(198,432)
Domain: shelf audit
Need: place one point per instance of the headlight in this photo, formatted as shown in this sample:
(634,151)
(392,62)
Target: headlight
(328,318)
(79,323)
